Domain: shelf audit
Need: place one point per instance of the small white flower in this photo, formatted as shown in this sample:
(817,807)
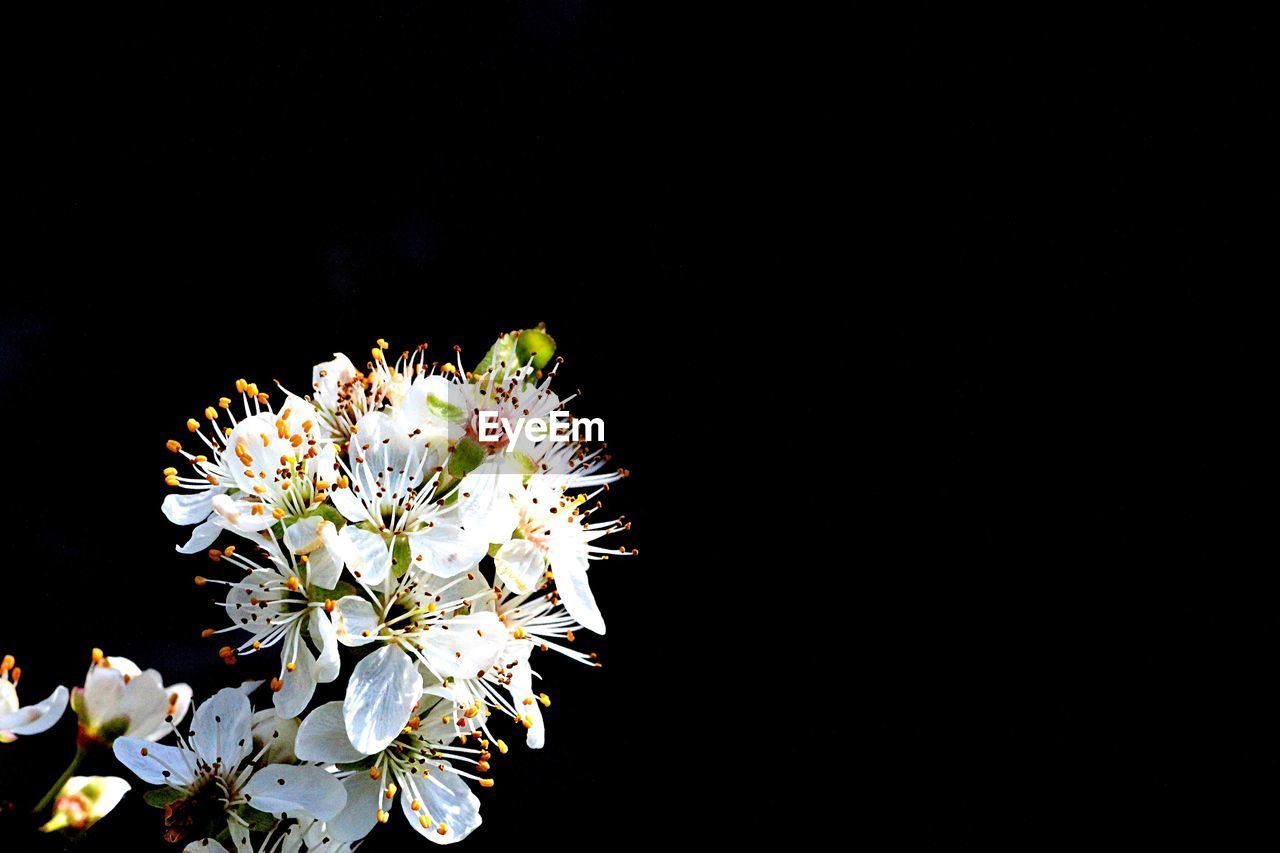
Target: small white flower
(18,720)
(420,766)
(85,800)
(272,603)
(252,471)
(217,768)
(554,534)
(118,699)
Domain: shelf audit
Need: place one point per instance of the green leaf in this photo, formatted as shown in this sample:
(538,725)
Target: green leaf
(466,456)
(535,344)
(328,513)
(446,410)
(363,764)
(400,556)
(161,797)
(503,349)
(317,593)
(258,821)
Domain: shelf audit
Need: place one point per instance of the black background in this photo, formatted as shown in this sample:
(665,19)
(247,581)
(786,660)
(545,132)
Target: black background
(932,344)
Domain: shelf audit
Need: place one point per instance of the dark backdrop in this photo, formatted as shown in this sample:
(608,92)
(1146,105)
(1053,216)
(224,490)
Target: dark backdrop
(931,342)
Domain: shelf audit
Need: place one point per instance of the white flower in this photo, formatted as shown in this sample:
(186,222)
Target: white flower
(391,488)
(554,533)
(343,394)
(279,465)
(84,800)
(217,769)
(29,720)
(120,699)
(420,766)
(272,603)
(416,624)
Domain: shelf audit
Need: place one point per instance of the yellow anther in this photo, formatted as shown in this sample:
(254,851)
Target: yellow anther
(415,805)
(171,481)
(277,513)
(382,343)
(518,633)
(206,633)
(545,700)
(241,385)
(169,472)
(486,783)
(276,685)
(375,773)
(442,829)
(329,605)
(229,550)
(215,554)
(193,424)
(424,820)
(377,354)
(211,413)
(482,766)
(98,655)
(257,644)
(251,388)
(224,402)
(200,581)
(391,790)
(294,584)
(343,482)
(502,746)
(173,446)
(431,607)
(291,666)
(383,817)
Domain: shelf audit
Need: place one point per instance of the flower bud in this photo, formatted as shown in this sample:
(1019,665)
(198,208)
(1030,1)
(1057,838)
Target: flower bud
(83,801)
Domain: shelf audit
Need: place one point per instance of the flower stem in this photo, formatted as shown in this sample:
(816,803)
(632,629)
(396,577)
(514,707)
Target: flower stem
(62,780)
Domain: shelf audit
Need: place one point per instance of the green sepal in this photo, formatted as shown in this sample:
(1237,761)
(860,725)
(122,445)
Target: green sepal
(494,548)
(467,456)
(363,764)
(400,556)
(258,821)
(161,797)
(526,465)
(328,513)
(503,350)
(537,345)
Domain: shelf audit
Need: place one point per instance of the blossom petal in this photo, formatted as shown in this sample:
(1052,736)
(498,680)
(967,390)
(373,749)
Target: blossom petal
(202,537)
(281,788)
(353,618)
(37,718)
(520,565)
(571,583)
(328,665)
(366,554)
(465,645)
(205,845)
(383,689)
(360,815)
(446,549)
(189,507)
(222,729)
(351,507)
(448,800)
(150,762)
(299,685)
(323,737)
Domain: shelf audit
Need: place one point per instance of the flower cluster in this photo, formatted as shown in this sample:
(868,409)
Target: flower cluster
(377,538)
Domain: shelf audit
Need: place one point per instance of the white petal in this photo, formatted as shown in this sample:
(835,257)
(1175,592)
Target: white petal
(447,799)
(239,836)
(222,729)
(360,815)
(465,645)
(571,583)
(201,538)
(353,616)
(366,554)
(158,759)
(204,845)
(37,718)
(324,565)
(520,564)
(446,549)
(189,507)
(299,685)
(323,737)
(278,735)
(486,507)
(351,507)
(328,664)
(383,689)
(281,788)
